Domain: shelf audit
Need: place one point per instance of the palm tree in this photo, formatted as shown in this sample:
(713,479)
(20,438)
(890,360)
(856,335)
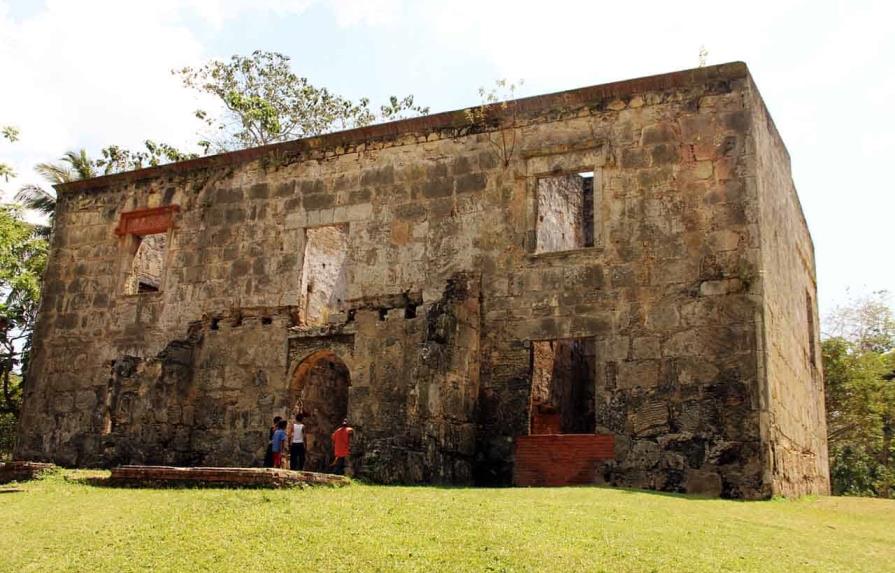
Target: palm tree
(72,166)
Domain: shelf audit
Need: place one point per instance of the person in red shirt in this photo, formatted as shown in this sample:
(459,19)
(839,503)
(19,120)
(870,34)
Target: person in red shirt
(341,446)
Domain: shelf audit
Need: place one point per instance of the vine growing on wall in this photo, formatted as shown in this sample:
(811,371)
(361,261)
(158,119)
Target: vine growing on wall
(498,101)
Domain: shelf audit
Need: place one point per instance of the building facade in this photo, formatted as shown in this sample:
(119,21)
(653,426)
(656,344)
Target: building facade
(626,262)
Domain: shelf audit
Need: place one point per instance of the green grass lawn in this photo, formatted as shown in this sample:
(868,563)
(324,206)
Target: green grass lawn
(57,524)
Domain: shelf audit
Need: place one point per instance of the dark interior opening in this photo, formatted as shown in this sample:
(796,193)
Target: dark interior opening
(562,386)
(147,266)
(319,391)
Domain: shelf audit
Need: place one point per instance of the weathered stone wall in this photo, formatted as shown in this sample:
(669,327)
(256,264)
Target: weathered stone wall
(793,417)
(444,291)
(666,293)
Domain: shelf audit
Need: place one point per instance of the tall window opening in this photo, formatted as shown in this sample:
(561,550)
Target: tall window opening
(562,386)
(812,350)
(565,218)
(324,278)
(144,244)
(148,265)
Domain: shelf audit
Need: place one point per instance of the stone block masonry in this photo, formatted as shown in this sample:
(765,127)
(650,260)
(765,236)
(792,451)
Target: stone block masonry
(644,238)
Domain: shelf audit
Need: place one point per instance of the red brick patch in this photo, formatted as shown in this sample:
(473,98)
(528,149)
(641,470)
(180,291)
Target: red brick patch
(560,459)
(147,221)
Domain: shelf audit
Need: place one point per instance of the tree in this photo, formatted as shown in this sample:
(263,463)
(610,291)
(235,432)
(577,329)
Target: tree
(23,256)
(859,371)
(74,165)
(116,159)
(77,165)
(867,322)
(266,102)
(10,134)
(501,98)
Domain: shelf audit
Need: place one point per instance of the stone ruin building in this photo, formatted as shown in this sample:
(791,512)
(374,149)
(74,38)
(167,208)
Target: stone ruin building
(612,284)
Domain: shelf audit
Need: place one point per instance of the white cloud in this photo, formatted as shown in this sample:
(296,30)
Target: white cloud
(822,68)
(217,12)
(88,73)
(97,72)
(91,73)
(351,13)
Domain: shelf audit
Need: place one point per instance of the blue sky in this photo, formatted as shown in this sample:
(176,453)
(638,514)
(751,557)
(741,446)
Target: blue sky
(88,73)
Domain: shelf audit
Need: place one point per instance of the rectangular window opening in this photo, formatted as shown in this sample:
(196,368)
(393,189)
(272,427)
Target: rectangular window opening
(812,350)
(563,384)
(324,277)
(565,217)
(148,265)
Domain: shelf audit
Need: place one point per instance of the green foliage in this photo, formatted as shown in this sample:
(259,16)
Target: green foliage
(867,322)
(8,421)
(11,134)
(23,257)
(77,165)
(266,102)
(859,372)
(72,166)
(499,100)
(116,159)
(427,529)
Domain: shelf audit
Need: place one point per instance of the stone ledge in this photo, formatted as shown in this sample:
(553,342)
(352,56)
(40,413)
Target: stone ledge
(23,471)
(237,477)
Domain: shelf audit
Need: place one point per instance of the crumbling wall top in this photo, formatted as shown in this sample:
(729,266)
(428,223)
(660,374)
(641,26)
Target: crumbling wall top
(457,120)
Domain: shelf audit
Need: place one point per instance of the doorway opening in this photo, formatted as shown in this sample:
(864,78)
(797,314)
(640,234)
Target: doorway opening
(319,391)
(563,373)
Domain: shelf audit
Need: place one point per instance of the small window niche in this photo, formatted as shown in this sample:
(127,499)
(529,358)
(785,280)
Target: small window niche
(148,265)
(565,212)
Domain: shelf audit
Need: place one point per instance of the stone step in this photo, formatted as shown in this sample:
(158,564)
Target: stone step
(22,471)
(239,477)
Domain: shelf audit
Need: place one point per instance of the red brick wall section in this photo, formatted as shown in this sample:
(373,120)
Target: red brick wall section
(546,422)
(560,459)
(147,221)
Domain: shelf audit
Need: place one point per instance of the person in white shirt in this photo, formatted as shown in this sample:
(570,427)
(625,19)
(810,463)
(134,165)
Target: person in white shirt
(297,445)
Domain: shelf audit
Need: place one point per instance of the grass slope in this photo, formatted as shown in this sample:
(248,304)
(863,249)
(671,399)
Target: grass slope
(60,525)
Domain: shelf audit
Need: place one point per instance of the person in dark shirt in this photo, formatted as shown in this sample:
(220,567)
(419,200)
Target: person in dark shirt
(278,443)
(268,455)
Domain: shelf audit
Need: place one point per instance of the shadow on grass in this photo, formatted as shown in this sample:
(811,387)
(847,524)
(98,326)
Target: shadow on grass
(107,482)
(602,487)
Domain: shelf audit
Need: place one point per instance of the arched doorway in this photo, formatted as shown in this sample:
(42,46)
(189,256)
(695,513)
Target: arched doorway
(319,391)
